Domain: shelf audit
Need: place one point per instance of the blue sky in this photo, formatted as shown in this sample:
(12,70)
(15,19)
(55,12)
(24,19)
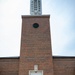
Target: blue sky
(62,22)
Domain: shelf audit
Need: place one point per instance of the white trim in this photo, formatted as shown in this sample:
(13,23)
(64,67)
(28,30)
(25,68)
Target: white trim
(32,71)
(35,67)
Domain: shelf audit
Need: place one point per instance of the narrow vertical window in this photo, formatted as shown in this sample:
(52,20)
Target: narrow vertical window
(39,5)
(32,6)
(35,4)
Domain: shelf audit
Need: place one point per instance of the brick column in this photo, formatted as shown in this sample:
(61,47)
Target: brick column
(36,45)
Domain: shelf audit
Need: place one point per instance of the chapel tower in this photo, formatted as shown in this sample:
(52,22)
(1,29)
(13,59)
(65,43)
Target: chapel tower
(35,7)
(36,51)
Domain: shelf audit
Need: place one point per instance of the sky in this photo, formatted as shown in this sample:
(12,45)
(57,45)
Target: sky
(62,23)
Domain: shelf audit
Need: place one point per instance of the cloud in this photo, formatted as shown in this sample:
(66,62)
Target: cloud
(62,22)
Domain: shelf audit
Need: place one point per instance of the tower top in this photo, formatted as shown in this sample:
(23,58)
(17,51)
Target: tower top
(35,7)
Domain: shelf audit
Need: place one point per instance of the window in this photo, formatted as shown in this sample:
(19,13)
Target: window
(35,25)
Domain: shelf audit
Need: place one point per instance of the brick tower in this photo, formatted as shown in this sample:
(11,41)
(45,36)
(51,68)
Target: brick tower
(36,51)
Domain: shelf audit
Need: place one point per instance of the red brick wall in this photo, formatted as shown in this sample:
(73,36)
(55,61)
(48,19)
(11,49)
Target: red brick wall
(36,45)
(61,66)
(64,65)
(9,66)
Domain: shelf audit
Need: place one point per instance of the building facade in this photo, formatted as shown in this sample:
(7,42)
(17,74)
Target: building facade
(36,50)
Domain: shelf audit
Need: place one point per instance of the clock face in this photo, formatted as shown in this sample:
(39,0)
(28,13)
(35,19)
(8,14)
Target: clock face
(35,25)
